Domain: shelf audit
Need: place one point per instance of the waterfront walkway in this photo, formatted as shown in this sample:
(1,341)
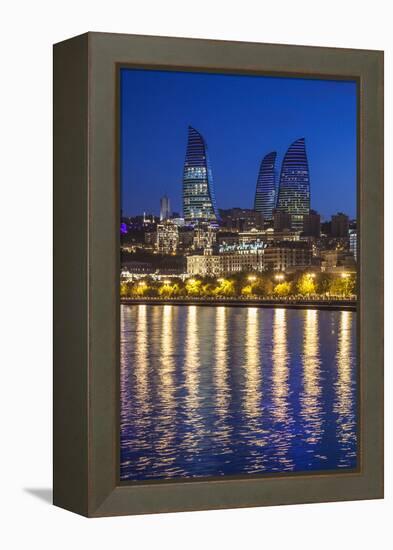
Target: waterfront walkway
(346,304)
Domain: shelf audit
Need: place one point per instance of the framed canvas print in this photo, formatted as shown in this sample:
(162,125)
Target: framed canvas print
(218,287)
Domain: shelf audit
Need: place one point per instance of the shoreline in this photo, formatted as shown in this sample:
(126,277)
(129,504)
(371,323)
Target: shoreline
(337,304)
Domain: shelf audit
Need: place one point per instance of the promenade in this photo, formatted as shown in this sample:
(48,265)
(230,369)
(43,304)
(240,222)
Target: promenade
(345,304)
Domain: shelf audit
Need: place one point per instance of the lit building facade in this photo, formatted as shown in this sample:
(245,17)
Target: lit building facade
(294,188)
(353,244)
(167,237)
(213,265)
(266,190)
(204,236)
(337,261)
(287,255)
(199,203)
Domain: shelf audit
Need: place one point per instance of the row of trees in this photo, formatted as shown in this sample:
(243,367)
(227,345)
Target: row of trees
(246,285)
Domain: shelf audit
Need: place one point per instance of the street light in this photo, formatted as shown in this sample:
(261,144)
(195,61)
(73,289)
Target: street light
(251,278)
(220,280)
(279,277)
(344,275)
(312,275)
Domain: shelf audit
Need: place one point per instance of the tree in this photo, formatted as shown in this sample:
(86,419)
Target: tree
(263,286)
(169,290)
(247,290)
(306,285)
(193,287)
(343,285)
(323,283)
(226,287)
(283,289)
(140,289)
(125,290)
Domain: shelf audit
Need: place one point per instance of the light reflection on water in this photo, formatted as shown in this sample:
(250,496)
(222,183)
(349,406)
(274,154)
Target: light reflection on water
(211,391)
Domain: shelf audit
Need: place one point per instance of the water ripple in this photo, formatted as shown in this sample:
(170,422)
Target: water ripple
(212,391)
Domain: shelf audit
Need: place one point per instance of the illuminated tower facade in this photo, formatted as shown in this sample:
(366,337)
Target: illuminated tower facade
(165,208)
(294,189)
(199,203)
(265,194)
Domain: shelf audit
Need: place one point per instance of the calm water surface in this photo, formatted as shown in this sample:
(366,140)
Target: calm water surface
(211,391)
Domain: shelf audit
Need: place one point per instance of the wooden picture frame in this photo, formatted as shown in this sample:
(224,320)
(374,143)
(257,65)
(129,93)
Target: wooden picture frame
(86,267)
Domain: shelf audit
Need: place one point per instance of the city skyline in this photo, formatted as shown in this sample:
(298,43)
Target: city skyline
(332,162)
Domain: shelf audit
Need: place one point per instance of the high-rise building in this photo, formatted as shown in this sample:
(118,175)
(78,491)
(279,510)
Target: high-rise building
(165,208)
(199,203)
(312,224)
(265,194)
(353,243)
(204,236)
(340,225)
(167,237)
(294,188)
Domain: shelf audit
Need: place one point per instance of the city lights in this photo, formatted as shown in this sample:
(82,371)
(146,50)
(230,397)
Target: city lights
(238,284)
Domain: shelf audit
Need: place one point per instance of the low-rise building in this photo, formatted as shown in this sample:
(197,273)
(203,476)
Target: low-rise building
(281,256)
(337,261)
(339,225)
(241,219)
(214,265)
(311,224)
(281,220)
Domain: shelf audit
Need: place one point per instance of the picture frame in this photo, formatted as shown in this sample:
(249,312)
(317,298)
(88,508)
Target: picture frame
(86,267)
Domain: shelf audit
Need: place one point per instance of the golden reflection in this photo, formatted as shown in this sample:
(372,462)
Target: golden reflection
(125,368)
(343,404)
(166,388)
(221,373)
(191,375)
(280,390)
(310,398)
(252,366)
(142,365)
(280,365)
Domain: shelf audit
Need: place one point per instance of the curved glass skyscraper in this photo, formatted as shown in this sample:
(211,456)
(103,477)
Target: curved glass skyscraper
(199,203)
(294,189)
(265,194)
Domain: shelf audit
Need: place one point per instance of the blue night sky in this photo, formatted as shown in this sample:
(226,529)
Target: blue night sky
(242,118)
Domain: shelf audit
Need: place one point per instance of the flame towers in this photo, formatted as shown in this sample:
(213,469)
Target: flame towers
(265,195)
(294,190)
(199,202)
